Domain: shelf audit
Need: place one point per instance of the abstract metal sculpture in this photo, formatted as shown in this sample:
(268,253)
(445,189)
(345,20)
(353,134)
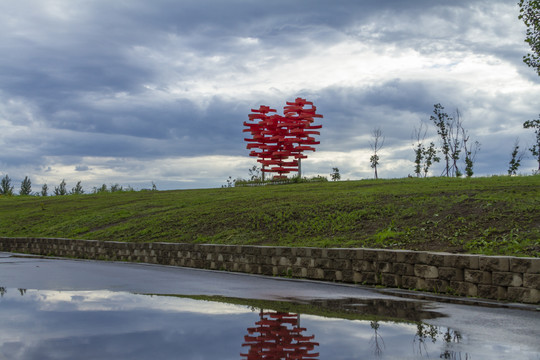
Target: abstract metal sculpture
(278,336)
(281,140)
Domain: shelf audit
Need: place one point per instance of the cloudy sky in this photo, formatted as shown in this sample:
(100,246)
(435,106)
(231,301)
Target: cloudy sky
(135,92)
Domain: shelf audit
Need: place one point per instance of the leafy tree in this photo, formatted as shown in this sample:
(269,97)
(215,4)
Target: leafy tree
(470,152)
(535,149)
(515,161)
(101,189)
(335,176)
(254,173)
(419,135)
(529,12)
(430,156)
(5,186)
(77,190)
(44,190)
(376,144)
(454,140)
(441,121)
(26,187)
(424,157)
(60,189)
(116,188)
(230,183)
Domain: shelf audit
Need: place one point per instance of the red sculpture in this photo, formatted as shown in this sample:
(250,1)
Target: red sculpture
(278,336)
(280,138)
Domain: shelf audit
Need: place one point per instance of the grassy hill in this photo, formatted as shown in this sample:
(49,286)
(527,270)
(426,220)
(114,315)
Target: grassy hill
(496,215)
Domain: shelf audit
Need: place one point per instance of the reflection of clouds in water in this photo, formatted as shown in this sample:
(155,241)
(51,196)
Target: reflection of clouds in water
(103,324)
(104,300)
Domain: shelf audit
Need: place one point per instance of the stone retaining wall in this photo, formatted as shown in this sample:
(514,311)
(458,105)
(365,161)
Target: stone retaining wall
(491,277)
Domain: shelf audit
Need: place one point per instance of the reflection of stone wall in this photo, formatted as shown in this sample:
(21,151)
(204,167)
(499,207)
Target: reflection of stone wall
(490,277)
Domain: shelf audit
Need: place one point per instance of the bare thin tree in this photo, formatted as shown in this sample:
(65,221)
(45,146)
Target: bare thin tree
(376,143)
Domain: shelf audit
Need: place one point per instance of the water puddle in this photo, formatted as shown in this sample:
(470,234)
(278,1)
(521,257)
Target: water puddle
(119,325)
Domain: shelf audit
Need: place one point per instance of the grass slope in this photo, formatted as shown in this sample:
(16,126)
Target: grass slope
(497,215)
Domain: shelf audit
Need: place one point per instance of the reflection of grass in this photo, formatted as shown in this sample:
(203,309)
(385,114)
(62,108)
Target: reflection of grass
(293,307)
(497,215)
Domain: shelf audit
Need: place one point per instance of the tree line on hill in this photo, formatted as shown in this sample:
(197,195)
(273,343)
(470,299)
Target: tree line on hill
(6,188)
(457,151)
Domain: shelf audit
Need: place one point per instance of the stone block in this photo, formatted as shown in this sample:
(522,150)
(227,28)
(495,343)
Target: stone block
(324,263)
(506,279)
(301,252)
(266,270)
(347,276)
(341,264)
(385,267)
(391,280)
(369,278)
(363,265)
(403,269)
(329,275)
(404,256)
(413,283)
(426,271)
(386,256)
(336,253)
(434,259)
(302,261)
(525,265)
(531,281)
(489,292)
(451,274)
(477,276)
(437,285)
(463,288)
(520,294)
(298,271)
(462,261)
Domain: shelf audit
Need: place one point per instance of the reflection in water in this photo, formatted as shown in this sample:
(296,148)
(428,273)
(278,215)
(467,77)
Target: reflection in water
(117,325)
(426,332)
(377,340)
(277,336)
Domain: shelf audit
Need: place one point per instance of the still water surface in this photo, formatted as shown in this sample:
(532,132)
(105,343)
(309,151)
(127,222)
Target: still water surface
(118,325)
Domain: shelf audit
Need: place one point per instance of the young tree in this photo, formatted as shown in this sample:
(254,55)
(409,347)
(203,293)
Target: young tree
(470,155)
(376,144)
(101,189)
(424,157)
(441,121)
(515,161)
(529,12)
(335,176)
(430,157)
(254,173)
(44,190)
(535,149)
(26,187)
(5,186)
(419,135)
(77,190)
(455,127)
(61,189)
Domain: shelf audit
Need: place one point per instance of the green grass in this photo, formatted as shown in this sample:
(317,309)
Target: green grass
(496,215)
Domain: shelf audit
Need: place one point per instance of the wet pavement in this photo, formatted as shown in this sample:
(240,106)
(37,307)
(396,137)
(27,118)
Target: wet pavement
(516,326)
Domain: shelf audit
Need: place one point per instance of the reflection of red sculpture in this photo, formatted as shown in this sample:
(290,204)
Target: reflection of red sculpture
(278,335)
(281,137)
